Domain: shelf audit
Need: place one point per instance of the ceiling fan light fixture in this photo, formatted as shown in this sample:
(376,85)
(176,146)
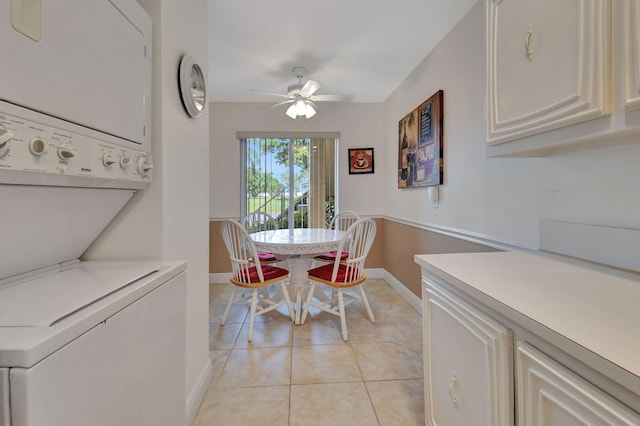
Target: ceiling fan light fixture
(291,111)
(301,107)
(310,110)
(300,95)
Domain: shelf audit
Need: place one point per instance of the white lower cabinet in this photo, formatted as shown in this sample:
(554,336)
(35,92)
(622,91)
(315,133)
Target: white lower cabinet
(549,394)
(475,376)
(467,363)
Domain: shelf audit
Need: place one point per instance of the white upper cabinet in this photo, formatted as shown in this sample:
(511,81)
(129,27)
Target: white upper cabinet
(632,54)
(548,65)
(561,75)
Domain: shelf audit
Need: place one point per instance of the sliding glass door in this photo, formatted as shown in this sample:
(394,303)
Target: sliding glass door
(292,179)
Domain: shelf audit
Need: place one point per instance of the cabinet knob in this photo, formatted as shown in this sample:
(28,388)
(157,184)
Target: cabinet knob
(452,385)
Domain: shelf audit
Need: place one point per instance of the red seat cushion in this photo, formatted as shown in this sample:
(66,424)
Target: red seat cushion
(265,255)
(325,272)
(268,272)
(333,254)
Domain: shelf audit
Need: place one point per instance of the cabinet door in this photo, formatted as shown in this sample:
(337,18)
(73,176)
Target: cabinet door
(632,54)
(548,65)
(551,395)
(467,362)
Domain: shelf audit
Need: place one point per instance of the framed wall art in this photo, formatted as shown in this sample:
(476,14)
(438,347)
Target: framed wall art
(420,145)
(360,161)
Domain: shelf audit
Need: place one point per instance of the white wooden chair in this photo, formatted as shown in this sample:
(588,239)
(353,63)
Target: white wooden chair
(250,274)
(341,221)
(261,221)
(343,274)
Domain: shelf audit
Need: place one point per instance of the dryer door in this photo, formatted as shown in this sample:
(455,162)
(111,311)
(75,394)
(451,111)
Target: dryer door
(91,66)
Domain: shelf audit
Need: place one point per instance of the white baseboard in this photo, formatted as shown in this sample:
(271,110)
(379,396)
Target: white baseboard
(378,273)
(220,278)
(412,299)
(192,404)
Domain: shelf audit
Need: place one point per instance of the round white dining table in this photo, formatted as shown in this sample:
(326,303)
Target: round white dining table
(298,246)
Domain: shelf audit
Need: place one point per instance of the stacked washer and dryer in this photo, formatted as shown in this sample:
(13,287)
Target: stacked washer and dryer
(81,342)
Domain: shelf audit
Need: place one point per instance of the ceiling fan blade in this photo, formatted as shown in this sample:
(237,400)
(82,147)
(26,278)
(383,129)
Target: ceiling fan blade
(280,95)
(290,101)
(332,98)
(309,88)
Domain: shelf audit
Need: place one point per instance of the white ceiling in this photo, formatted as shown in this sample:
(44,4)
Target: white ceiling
(365,48)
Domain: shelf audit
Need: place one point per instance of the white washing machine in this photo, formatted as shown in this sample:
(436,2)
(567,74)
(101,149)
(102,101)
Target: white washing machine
(94,343)
(81,342)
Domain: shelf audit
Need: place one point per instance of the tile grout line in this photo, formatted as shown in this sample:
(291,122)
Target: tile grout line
(364,382)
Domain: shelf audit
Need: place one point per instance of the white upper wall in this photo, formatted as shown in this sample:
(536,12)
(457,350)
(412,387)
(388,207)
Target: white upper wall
(359,125)
(497,198)
(502,199)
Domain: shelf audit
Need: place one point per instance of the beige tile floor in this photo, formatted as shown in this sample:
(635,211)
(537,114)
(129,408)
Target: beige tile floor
(307,375)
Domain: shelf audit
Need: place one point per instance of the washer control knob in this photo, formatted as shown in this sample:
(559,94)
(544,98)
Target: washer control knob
(5,137)
(65,152)
(107,160)
(125,161)
(38,146)
(144,166)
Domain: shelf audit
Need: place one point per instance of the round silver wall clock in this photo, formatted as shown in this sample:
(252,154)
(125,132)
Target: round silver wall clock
(192,86)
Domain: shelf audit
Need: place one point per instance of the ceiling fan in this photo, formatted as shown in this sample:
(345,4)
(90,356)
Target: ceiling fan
(302,96)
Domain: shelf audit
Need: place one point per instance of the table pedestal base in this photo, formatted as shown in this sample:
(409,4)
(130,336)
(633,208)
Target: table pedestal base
(298,267)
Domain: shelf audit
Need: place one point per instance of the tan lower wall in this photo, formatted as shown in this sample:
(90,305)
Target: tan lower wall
(393,250)
(402,242)
(218,258)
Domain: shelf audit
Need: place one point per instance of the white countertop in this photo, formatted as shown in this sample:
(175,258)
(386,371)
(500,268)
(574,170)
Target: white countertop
(595,307)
